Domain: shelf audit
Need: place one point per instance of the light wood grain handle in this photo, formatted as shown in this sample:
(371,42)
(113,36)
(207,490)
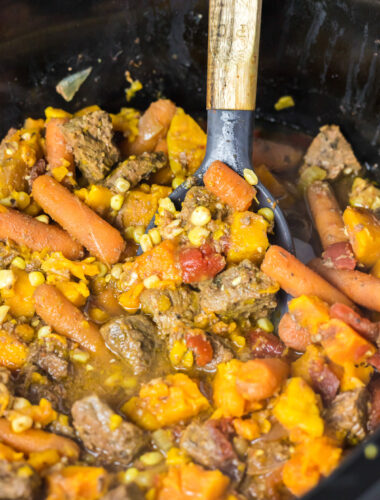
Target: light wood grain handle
(233,53)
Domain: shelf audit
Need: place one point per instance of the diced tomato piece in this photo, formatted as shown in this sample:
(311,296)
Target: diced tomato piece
(198,264)
(201,347)
(364,326)
(341,255)
(264,344)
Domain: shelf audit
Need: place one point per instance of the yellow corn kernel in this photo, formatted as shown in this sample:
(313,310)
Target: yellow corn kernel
(79,356)
(151,494)
(151,458)
(20,404)
(200,216)
(166,204)
(177,181)
(22,200)
(238,340)
(146,243)
(21,423)
(188,360)
(7,278)
(122,185)
(44,331)
(102,269)
(177,352)
(51,112)
(24,332)
(267,213)
(250,176)
(129,475)
(286,101)
(43,218)
(145,188)
(138,231)
(18,262)
(36,278)
(59,173)
(117,201)
(98,315)
(115,421)
(116,271)
(265,324)
(24,471)
(176,456)
(155,236)
(37,378)
(198,235)
(152,281)
(3,313)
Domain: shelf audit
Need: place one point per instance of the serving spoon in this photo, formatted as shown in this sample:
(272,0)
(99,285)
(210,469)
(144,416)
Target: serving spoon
(233,48)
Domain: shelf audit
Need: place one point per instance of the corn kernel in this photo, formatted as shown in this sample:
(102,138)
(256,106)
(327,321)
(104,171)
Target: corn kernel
(116,271)
(20,404)
(238,340)
(43,218)
(166,204)
(286,101)
(129,475)
(6,202)
(122,185)
(267,213)
(3,313)
(129,232)
(200,216)
(155,236)
(265,324)
(21,423)
(177,181)
(177,351)
(129,382)
(151,458)
(138,231)
(18,262)
(152,281)
(25,471)
(117,201)
(197,235)
(51,112)
(102,269)
(36,278)
(23,200)
(7,278)
(115,422)
(146,243)
(371,451)
(59,173)
(98,315)
(188,360)
(151,494)
(176,456)
(44,331)
(250,176)
(145,188)
(79,356)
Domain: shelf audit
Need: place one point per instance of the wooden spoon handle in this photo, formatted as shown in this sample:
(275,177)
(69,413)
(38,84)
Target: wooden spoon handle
(233,53)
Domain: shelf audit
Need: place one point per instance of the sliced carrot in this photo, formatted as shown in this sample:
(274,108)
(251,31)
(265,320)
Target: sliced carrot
(292,334)
(297,279)
(232,189)
(99,237)
(56,147)
(260,378)
(66,319)
(362,288)
(34,440)
(153,126)
(36,235)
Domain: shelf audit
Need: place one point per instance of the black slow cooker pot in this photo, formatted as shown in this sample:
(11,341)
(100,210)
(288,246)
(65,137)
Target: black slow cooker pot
(325,53)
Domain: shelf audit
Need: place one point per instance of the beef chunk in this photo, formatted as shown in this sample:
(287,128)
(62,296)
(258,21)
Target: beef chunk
(265,345)
(222,352)
(266,456)
(39,168)
(347,415)
(323,380)
(125,492)
(172,310)
(51,356)
(374,411)
(14,486)
(132,338)
(238,291)
(267,486)
(91,419)
(7,253)
(89,137)
(210,447)
(330,151)
(135,169)
(200,196)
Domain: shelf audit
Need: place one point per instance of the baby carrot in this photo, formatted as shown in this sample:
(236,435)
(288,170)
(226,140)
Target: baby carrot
(326,214)
(99,237)
(297,279)
(229,186)
(65,318)
(153,126)
(261,378)
(362,288)
(36,235)
(33,440)
(56,151)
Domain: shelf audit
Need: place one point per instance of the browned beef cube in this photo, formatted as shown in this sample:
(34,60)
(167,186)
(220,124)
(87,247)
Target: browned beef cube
(374,407)
(200,196)
(266,456)
(125,492)
(15,486)
(51,356)
(133,338)
(90,138)
(91,419)
(135,169)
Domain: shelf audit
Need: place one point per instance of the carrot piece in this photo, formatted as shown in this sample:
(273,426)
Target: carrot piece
(80,482)
(229,186)
(153,126)
(326,214)
(364,326)
(99,237)
(56,150)
(36,235)
(66,319)
(33,440)
(292,334)
(362,288)
(260,378)
(297,279)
